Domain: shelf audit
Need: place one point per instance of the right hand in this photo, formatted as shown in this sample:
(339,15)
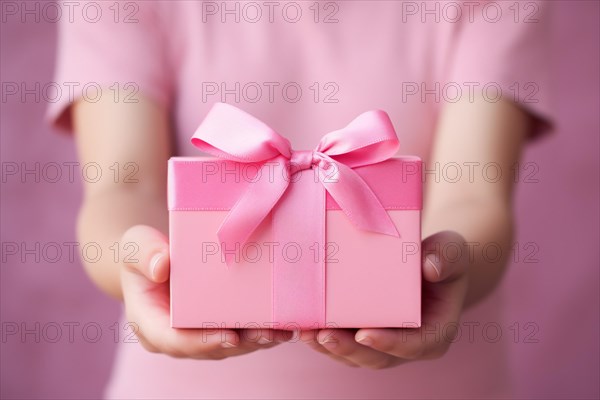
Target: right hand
(145,287)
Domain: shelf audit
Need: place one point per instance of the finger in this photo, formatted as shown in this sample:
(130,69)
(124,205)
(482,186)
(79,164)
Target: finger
(149,314)
(428,342)
(317,347)
(442,305)
(262,337)
(341,343)
(211,344)
(445,267)
(444,257)
(152,256)
(310,338)
(158,336)
(406,344)
(444,289)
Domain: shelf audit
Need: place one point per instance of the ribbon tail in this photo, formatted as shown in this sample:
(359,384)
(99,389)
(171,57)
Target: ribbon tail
(252,208)
(298,277)
(356,199)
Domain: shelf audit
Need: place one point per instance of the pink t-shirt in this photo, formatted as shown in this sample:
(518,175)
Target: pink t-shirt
(307,68)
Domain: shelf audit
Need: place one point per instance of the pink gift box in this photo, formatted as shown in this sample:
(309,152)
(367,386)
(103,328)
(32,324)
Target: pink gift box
(305,265)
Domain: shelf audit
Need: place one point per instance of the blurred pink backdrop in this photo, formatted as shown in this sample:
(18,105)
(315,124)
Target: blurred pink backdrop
(559,213)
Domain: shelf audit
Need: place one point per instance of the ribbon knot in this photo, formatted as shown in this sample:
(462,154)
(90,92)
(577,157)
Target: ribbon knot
(230,133)
(303,159)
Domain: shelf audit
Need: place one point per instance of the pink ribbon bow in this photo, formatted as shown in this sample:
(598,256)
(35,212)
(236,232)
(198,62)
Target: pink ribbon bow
(230,133)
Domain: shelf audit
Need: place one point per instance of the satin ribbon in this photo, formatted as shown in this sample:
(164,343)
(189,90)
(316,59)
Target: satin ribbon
(230,133)
(298,205)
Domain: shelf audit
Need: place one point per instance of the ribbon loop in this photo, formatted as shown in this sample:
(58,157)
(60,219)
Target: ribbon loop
(230,133)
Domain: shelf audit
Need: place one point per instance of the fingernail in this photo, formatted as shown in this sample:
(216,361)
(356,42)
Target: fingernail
(264,340)
(430,260)
(154,263)
(282,339)
(365,340)
(329,342)
(229,342)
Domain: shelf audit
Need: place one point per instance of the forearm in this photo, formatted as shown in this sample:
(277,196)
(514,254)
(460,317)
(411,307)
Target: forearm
(109,133)
(103,219)
(477,206)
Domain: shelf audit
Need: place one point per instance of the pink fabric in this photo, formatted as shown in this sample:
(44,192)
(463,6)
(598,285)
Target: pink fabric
(554,293)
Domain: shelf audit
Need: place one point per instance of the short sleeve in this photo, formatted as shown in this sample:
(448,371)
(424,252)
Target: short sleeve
(503,52)
(114,49)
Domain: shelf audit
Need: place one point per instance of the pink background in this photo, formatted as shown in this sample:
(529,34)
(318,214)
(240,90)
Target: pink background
(559,213)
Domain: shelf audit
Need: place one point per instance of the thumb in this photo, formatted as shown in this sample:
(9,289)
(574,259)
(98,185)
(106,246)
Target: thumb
(152,256)
(445,257)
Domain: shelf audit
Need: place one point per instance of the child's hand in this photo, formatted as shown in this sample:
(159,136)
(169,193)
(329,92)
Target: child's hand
(145,286)
(444,291)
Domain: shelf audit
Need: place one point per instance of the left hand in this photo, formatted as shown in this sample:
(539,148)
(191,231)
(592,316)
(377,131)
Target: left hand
(444,291)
